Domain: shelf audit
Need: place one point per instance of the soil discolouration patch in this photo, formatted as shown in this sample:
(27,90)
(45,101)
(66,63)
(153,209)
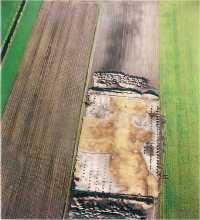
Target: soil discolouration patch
(118,142)
(124,142)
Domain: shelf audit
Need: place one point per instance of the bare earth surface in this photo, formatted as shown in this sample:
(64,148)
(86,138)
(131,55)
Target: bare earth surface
(128,39)
(118,152)
(40,118)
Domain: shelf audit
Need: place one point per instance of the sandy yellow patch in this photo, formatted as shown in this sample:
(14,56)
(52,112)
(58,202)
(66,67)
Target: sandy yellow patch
(124,142)
(128,106)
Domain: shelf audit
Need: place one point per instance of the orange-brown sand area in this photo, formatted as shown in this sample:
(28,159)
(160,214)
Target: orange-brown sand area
(117,136)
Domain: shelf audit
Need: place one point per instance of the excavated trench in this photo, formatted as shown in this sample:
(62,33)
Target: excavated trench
(117,166)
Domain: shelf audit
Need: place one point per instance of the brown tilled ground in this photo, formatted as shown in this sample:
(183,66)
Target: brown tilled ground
(128,39)
(41,115)
(40,118)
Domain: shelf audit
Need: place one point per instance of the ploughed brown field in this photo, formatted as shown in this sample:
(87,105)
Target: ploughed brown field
(41,115)
(128,39)
(40,119)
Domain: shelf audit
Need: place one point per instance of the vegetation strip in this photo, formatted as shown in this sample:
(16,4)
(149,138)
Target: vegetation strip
(16,50)
(179,92)
(12,31)
(78,130)
(9,11)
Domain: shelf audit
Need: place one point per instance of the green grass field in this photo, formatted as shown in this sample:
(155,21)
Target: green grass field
(14,55)
(9,11)
(179,89)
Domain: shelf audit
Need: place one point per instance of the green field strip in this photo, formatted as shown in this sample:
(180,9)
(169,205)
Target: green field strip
(11,32)
(16,50)
(179,92)
(9,11)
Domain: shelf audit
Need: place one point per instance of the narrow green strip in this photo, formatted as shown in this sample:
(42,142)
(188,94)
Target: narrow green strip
(78,130)
(9,11)
(179,90)
(15,53)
